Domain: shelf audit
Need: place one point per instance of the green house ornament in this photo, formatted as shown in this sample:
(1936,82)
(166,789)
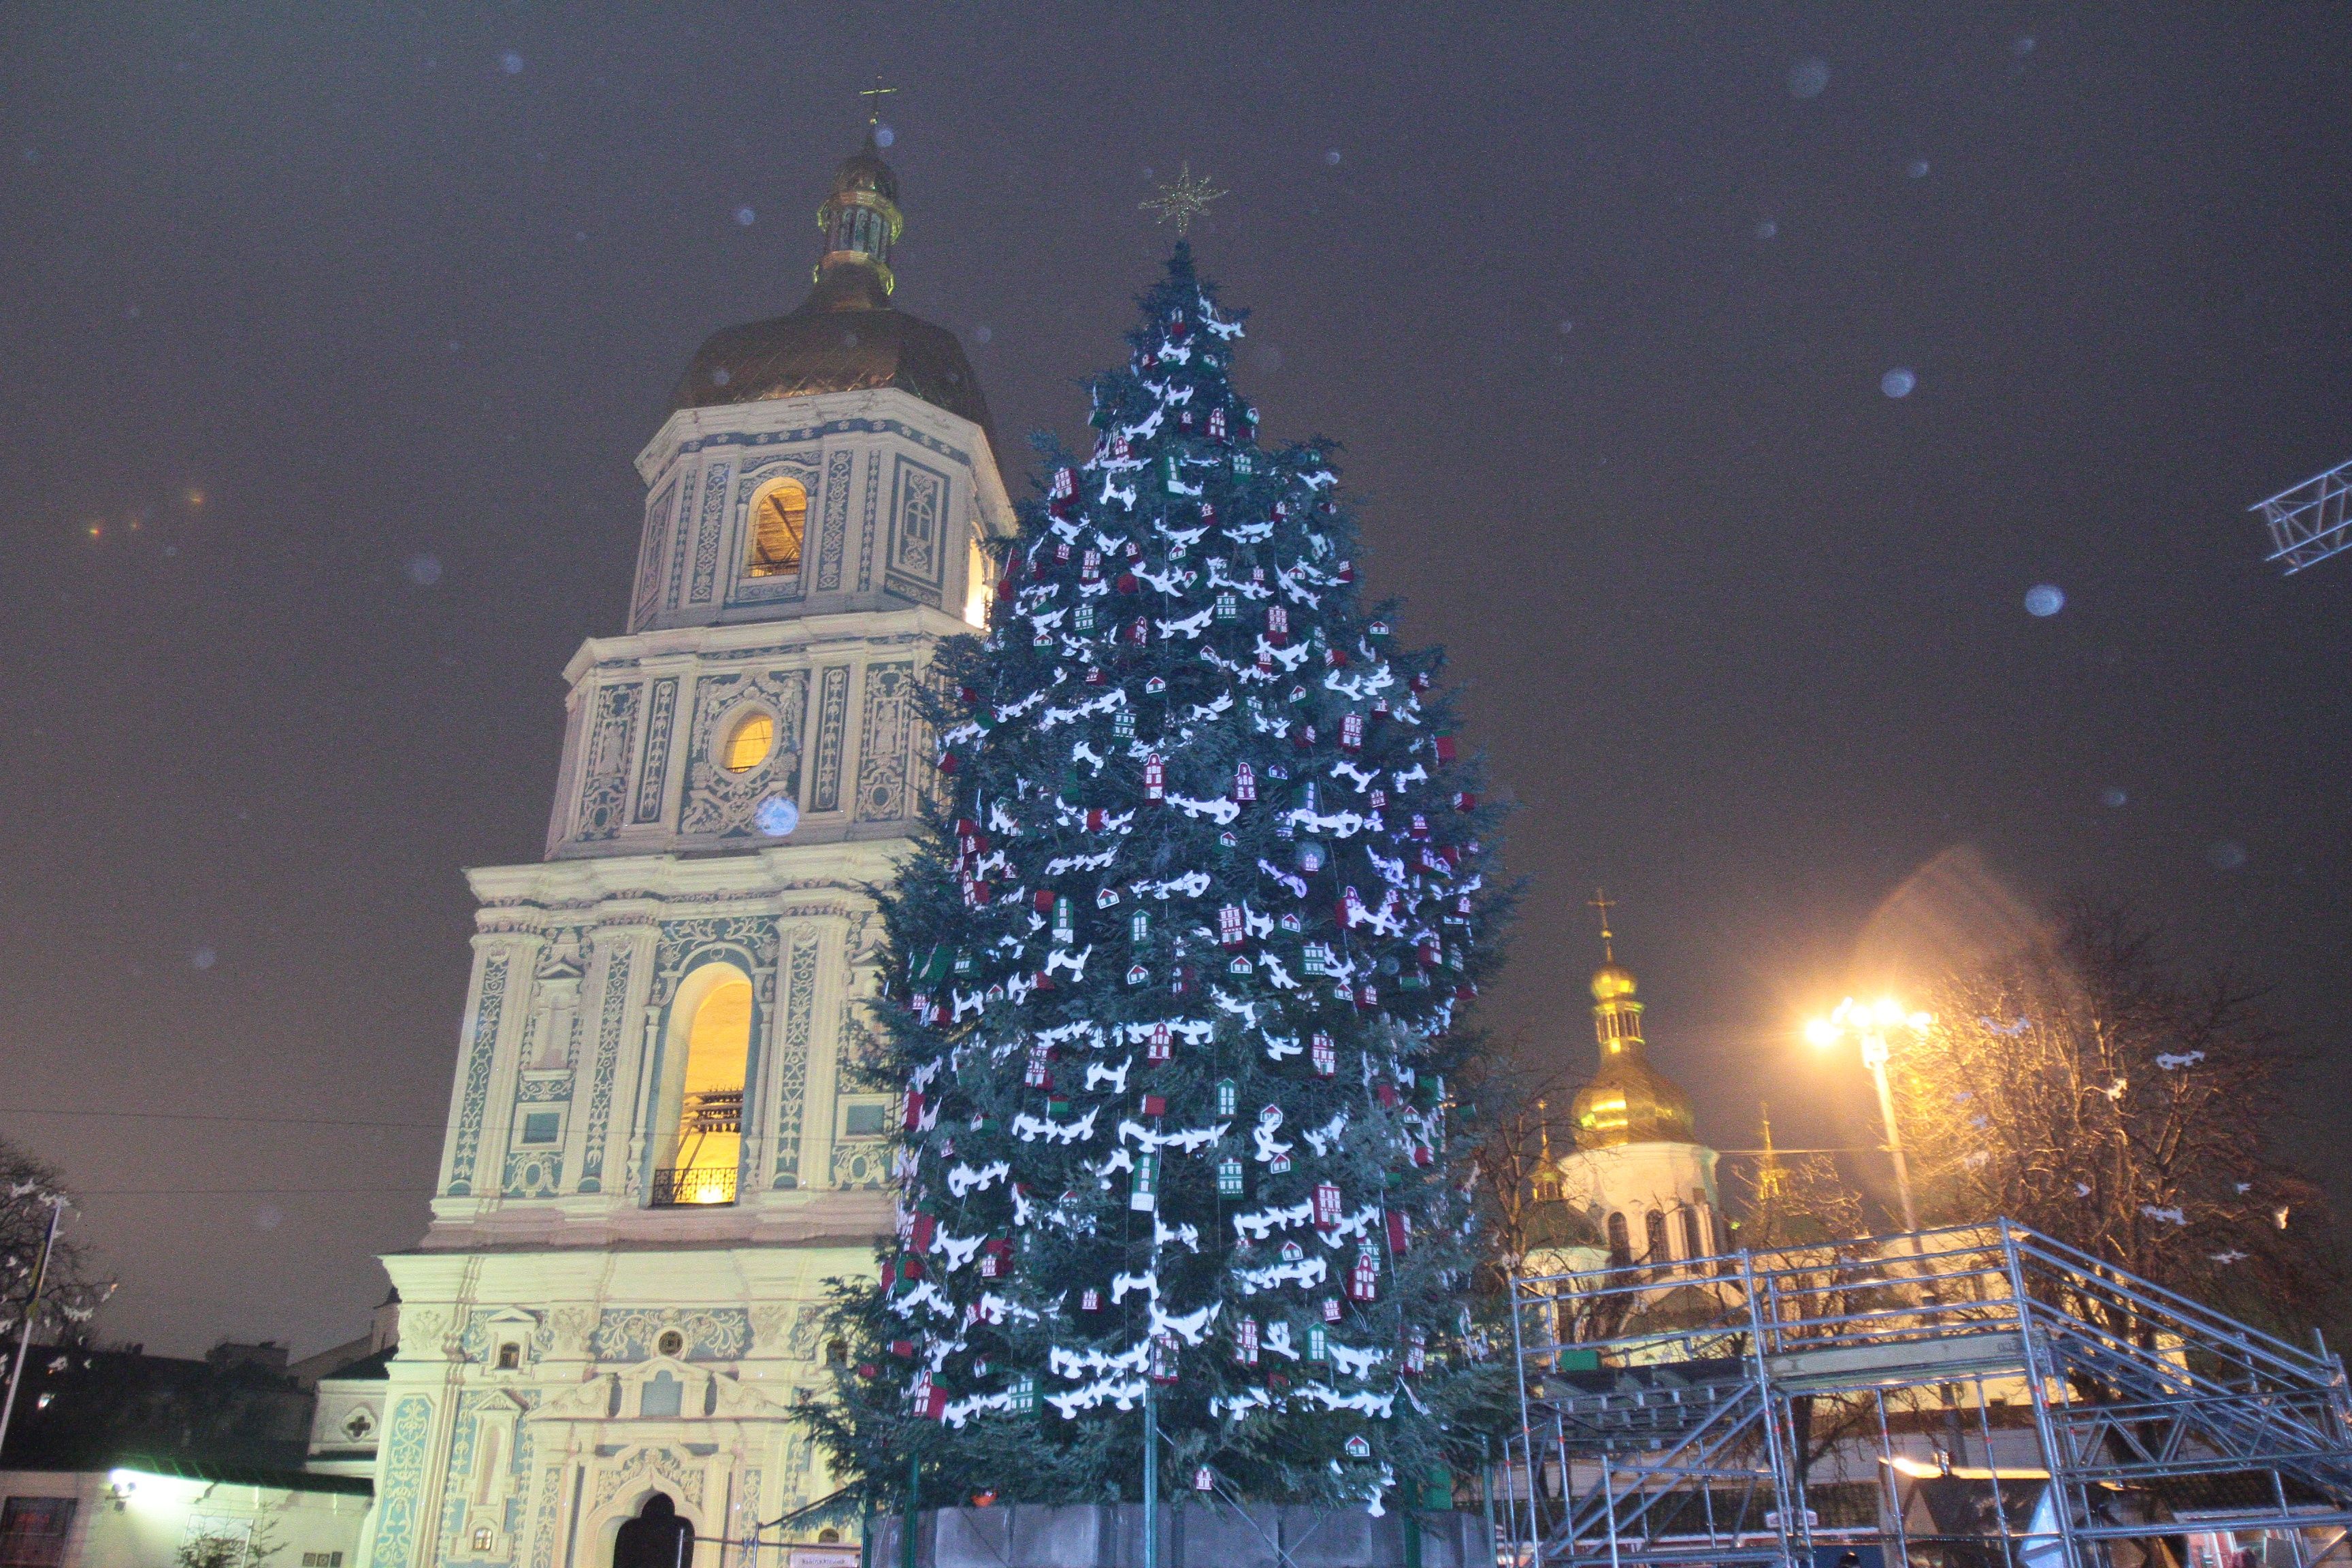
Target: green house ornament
(1066,920)
(1122,724)
(1143,1193)
(1228,1096)
(1229,1177)
(1229,609)
(1138,927)
(1084,620)
(1319,1342)
(1024,1395)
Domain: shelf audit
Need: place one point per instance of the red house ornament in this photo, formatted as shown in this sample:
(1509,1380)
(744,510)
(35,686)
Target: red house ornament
(1364,1280)
(1324,1055)
(1155,777)
(1327,1206)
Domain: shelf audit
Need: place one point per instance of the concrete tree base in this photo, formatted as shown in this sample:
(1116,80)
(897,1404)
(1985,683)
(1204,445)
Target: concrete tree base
(1191,1535)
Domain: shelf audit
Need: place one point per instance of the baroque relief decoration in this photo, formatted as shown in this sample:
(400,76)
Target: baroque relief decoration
(608,1057)
(712,1333)
(653,558)
(479,1055)
(405,1444)
(831,738)
(650,1464)
(717,802)
(861,1163)
(655,769)
(531,1174)
(882,749)
(688,942)
(684,543)
(542,1534)
(919,524)
(792,1063)
(832,539)
(706,542)
(603,782)
(872,526)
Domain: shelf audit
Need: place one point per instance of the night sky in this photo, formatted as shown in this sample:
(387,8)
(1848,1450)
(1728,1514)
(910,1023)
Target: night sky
(329,334)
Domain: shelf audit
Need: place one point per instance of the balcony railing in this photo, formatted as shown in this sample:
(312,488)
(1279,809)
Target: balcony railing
(691,1188)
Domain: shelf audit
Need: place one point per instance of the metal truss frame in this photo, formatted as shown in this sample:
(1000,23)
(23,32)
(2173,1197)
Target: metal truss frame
(2046,1401)
(2312,521)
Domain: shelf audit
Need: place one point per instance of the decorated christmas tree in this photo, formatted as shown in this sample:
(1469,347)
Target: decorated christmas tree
(1173,991)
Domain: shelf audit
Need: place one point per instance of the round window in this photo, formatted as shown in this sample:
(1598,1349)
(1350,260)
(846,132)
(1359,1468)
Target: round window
(748,743)
(671,1342)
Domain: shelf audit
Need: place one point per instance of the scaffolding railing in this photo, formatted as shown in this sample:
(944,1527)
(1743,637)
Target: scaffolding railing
(1980,1397)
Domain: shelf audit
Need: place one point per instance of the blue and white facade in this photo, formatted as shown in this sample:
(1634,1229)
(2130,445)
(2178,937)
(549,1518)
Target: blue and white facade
(573,1336)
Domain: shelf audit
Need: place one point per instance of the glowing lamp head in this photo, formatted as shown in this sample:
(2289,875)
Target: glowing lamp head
(1820,1034)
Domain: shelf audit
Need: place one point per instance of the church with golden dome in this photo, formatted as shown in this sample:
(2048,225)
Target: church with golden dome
(1639,1187)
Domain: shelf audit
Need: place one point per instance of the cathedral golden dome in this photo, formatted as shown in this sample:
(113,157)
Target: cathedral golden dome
(1628,1100)
(845,336)
(1610,982)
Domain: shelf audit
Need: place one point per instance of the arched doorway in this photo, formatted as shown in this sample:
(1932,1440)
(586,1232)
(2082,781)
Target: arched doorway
(656,1538)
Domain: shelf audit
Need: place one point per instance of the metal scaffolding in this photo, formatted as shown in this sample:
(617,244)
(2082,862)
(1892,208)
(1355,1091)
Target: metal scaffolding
(2311,521)
(1983,1397)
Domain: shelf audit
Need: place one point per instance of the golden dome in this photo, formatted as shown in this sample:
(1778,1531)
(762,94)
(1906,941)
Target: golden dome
(1610,982)
(1629,1101)
(845,337)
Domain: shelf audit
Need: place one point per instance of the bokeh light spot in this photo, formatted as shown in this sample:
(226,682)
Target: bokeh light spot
(745,217)
(203,958)
(2225,854)
(1809,78)
(423,569)
(1898,382)
(510,63)
(2044,600)
(2112,797)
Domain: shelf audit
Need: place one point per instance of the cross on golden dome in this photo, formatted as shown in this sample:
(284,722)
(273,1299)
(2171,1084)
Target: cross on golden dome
(874,96)
(1182,200)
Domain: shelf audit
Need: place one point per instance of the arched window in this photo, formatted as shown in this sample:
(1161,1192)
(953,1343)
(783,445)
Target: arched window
(711,1101)
(1653,1237)
(779,523)
(1694,1240)
(1621,1246)
(748,742)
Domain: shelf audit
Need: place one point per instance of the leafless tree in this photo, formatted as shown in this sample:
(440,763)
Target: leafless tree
(71,1295)
(2084,1088)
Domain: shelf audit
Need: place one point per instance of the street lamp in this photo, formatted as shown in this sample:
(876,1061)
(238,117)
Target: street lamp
(1870,1023)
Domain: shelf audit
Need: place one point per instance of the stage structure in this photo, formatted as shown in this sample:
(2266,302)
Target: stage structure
(2310,522)
(1983,1397)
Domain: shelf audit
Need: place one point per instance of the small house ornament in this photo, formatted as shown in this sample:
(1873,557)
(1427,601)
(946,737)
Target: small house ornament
(1143,1193)
(1229,1177)
(1244,783)
(1327,1206)
(1323,1053)
(1162,1044)
(1246,1341)
(1331,1309)
(1155,777)
(1359,1447)
(1066,920)
(1364,1278)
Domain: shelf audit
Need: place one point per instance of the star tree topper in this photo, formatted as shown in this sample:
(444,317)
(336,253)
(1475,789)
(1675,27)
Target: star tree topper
(1182,200)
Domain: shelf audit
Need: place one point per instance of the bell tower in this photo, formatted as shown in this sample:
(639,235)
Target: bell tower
(659,1145)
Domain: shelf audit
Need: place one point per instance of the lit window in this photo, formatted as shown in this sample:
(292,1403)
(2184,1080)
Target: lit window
(482,1538)
(748,743)
(779,522)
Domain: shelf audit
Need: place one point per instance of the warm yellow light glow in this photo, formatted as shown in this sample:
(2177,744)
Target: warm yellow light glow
(1920,1470)
(779,524)
(748,743)
(976,588)
(710,1104)
(1866,1021)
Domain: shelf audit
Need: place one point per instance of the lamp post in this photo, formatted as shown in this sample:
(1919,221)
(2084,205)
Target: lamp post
(1870,1023)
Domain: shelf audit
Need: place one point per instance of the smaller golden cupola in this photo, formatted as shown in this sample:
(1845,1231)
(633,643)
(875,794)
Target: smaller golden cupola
(1628,1100)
